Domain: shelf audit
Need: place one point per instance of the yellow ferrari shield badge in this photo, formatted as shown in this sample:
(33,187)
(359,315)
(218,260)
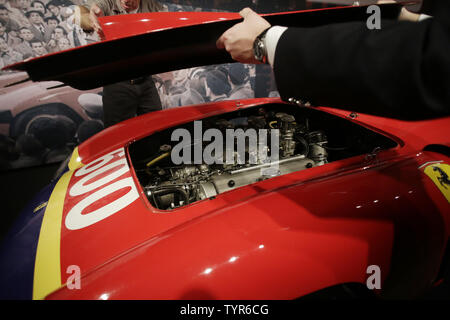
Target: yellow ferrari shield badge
(440,174)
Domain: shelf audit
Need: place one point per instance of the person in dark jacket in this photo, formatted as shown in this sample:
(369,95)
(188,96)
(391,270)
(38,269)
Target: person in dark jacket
(401,70)
(126,99)
(237,76)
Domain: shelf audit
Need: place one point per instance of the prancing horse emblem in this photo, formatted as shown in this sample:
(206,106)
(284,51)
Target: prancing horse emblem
(443,179)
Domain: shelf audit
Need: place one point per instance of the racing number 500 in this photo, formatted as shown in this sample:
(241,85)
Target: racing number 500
(77,218)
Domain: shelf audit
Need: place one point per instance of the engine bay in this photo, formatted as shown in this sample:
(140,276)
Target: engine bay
(243,147)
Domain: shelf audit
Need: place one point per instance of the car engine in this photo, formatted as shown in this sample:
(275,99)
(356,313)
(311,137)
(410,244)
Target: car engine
(298,148)
(289,140)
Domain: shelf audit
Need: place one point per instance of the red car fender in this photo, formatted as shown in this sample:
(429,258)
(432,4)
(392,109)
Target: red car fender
(285,243)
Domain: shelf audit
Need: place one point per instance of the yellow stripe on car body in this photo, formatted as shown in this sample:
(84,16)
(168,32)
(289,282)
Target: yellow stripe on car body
(47,269)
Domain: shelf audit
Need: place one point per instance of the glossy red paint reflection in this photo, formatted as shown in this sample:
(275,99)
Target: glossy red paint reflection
(277,239)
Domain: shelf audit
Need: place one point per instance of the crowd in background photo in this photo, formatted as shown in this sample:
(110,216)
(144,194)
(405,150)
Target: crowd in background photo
(32,28)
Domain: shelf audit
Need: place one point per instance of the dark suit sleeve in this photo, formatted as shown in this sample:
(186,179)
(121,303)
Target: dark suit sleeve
(401,71)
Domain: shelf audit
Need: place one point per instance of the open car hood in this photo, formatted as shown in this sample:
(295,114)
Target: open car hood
(152,43)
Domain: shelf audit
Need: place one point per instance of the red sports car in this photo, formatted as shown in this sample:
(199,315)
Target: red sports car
(177,205)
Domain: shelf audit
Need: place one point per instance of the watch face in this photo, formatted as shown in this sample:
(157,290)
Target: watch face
(258,49)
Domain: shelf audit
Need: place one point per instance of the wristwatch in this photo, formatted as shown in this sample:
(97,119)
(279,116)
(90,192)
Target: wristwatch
(259,47)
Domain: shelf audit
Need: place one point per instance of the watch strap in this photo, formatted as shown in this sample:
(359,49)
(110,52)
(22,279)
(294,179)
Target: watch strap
(261,39)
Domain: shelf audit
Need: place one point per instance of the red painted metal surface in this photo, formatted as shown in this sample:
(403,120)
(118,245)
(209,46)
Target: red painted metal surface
(150,43)
(411,135)
(276,239)
(113,26)
(272,245)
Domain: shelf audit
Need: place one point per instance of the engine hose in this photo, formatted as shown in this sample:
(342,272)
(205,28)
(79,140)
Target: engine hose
(271,123)
(152,162)
(305,145)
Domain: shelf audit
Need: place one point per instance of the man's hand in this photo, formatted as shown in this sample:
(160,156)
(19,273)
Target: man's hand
(94,13)
(405,14)
(239,39)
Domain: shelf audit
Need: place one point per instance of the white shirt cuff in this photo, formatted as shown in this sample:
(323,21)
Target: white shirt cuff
(424,17)
(272,37)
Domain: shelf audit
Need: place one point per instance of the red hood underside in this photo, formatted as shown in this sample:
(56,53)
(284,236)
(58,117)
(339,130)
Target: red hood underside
(151,43)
